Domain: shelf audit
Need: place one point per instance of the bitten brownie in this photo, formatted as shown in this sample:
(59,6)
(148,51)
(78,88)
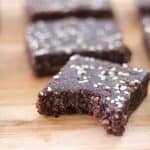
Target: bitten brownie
(51,43)
(53,9)
(106,90)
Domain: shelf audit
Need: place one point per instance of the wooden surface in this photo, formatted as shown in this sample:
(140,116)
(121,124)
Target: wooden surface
(22,128)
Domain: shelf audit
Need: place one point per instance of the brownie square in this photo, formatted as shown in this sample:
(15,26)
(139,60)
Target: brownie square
(54,9)
(51,43)
(108,91)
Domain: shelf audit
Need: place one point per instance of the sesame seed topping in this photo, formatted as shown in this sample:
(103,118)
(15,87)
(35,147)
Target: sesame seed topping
(123,73)
(56,77)
(81,70)
(49,89)
(74,57)
(125,65)
(95,85)
(83,81)
(102,77)
(120,105)
(138,70)
(107,87)
(100,67)
(112,101)
(126,92)
(122,88)
(108,98)
(41,94)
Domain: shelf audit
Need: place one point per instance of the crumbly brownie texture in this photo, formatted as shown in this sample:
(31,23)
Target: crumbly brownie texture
(51,9)
(108,91)
(144,6)
(146,22)
(51,43)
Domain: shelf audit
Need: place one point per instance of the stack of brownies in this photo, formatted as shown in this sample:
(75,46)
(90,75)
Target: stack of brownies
(80,43)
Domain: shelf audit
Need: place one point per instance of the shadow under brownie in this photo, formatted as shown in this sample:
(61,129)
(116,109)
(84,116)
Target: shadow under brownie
(51,43)
(106,90)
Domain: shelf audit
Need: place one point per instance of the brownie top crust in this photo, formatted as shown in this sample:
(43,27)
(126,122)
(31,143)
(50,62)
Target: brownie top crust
(74,36)
(112,82)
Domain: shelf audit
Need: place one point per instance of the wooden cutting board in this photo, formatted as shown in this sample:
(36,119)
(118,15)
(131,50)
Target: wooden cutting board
(22,128)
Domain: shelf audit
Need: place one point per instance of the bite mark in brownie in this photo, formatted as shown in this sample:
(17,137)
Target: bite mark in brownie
(54,9)
(108,91)
(51,43)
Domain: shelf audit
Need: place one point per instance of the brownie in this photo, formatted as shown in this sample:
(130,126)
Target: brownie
(108,91)
(54,9)
(51,43)
(144,6)
(146,22)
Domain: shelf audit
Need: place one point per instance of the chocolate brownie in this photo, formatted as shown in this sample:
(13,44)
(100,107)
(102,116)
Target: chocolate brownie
(54,9)
(51,43)
(108,91)
(144,6)
(146,22)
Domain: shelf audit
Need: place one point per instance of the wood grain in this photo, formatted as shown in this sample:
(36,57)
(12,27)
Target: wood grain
(22,128)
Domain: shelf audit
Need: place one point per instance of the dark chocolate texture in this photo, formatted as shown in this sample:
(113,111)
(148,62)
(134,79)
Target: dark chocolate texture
(106,90)
(54,9)
(51,43)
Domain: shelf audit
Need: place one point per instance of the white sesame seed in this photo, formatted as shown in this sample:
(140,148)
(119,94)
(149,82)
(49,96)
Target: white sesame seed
(113,69)
(83,81)
(115,78)
(125,65)
(107,87)
(117,91)
(102,77)
(120,105)
(108,98)
(122,81)
(74,57)
(122,88)
(112,101)
(126,92)
(123,73)
(41,93)
(95,85)
(91,67)
(56,77)
(138,70)
(100,67)
(49,89)
(99,83)
(72,66)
